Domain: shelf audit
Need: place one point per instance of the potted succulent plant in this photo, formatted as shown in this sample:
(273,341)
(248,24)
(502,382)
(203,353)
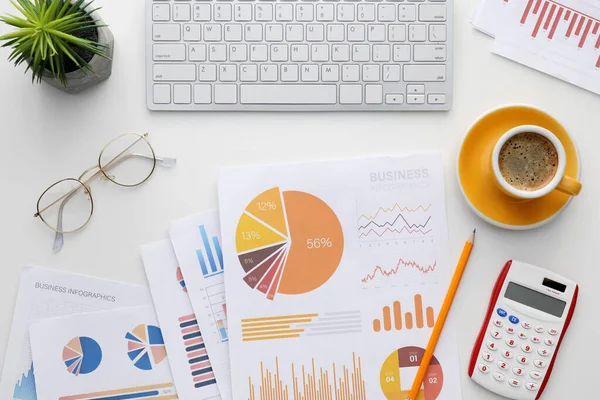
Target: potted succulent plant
(65,43)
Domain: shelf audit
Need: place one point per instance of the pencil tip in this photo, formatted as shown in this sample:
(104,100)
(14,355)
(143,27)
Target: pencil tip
(472,238)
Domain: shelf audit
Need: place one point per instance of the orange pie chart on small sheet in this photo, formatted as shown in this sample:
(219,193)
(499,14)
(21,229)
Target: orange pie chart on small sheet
(288,242)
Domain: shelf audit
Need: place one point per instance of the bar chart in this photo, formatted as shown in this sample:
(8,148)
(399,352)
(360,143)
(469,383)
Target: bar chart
(216,299)
(200,367)
(394,319)
(210,252)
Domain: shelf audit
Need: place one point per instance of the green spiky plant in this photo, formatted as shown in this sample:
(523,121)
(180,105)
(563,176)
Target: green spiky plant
(48,36)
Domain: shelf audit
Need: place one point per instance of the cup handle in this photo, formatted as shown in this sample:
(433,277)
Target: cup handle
(569,186)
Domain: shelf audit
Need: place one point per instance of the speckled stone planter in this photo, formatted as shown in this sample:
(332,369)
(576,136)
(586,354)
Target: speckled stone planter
(102,67)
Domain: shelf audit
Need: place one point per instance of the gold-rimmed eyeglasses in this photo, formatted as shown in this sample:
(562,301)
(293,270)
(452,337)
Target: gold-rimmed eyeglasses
(67,206)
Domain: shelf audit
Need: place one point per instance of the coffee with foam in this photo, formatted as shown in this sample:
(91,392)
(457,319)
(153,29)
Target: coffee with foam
(528,161)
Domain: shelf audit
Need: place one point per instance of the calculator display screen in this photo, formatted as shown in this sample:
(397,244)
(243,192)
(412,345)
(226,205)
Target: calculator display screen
(535,299)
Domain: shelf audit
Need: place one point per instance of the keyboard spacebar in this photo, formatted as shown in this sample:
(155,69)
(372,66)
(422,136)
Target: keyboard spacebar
(288,94)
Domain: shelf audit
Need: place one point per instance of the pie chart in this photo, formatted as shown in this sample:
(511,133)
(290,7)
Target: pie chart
(82,355)
(145,346)
(288,242)
(399,370)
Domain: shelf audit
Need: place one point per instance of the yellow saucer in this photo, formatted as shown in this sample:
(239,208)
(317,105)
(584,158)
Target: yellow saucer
(476,178)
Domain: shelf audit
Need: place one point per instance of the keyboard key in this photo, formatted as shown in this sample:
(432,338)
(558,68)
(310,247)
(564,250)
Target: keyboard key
(305,12)
(258,52)
(233,32)
(532,386)
(540,364)
(513,319)
(417,33)
(511,342)
(485,355)
(222,12)
(424,73)
(191,32)
(483,368)
(427,52)
(315,32)
(415,99)
(207,72)
(553,331)
(550,342)
(238,52)
(402,52)
(350,94)
(289,73)
(371,73)
(539,329)
(350,73)
(162,94)
(294,33)
(503,365)
(437,33)
(356,32)
(366,12)
(288,94)
(248,72)
(498,376)
(514,382)
(309,72)
(376,32)
(492,345)
(330,72)
(212,32)
(325,12)
(228,72)
(166,32)
(518,371)
(345,12)
(493,333)
(526,325)
(268,72)
(161,12)
(391,73)
(174,72)
(274,32)
(168,52)
(432,12)
(523,360)
(536,375)
(335,32)
(299,52)
(386,12)
(243,12)
(527,348)
(217,52)
(182,94)
(284,12)
(507,354)
(510,330)
(394,98)
(182,12)
(407,13)
(225,94)
(264,12)
(320,52)
(381,52)
(416,89)
(279,52)
(397,33)
(522,335)
(544,352)
(253,33)
(202,94)
(340,52)
(373,94)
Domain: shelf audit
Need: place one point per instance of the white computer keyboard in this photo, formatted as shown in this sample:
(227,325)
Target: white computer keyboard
(299,55)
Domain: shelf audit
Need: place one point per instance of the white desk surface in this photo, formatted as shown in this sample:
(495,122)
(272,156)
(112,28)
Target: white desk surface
(47,135)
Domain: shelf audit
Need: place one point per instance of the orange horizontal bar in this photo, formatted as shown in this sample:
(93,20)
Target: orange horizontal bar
(268,333)
(269,337)
(276,323)
(280,317)
(265,328)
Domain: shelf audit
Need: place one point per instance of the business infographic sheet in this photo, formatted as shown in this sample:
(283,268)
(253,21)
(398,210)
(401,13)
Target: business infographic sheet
(197,244)
(190,365)
(336,272)
(45,293)
(107,355)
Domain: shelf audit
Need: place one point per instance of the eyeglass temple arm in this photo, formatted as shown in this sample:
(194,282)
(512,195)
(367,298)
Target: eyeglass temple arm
(167,162)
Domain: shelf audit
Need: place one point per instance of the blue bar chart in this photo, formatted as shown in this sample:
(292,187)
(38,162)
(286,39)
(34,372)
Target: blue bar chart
(211,256)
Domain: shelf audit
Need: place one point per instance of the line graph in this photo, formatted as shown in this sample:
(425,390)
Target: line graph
(386,273)
(395,222)
(552,15)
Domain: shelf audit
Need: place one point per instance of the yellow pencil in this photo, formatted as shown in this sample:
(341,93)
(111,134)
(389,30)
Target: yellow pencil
(441,320)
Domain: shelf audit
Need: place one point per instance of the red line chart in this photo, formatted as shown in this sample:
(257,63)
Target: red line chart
(550,14)
(386,273)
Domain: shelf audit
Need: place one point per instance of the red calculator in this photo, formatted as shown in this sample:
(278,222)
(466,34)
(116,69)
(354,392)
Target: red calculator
(529,313)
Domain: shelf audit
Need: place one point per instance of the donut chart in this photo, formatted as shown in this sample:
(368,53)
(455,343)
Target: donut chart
(82,355)
(399,370)
(288,242)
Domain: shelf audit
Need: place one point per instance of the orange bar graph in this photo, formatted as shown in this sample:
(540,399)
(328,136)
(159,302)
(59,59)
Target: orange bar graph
(313,383)
(394,319)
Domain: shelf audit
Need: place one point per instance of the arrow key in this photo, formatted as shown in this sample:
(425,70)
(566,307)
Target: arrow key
(436,99)
(394,98)
(415,89)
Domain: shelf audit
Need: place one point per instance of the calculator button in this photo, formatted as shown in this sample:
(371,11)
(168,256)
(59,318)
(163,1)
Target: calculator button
(498,323)
(501,312)
(553,331)
(487,356)
(495,334)
(513,319)
(544,352)
(510,330)
(536,374)
(492,346)
(526,325)
(527,348)
(498,376)
(539,329)
(522,335)
(522,360)
(535,339)
(507,354)
(514,382)
(540,363)
(518,371)
(531,386)
(502,365)
(549,342)
(511,342)
(484,368)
